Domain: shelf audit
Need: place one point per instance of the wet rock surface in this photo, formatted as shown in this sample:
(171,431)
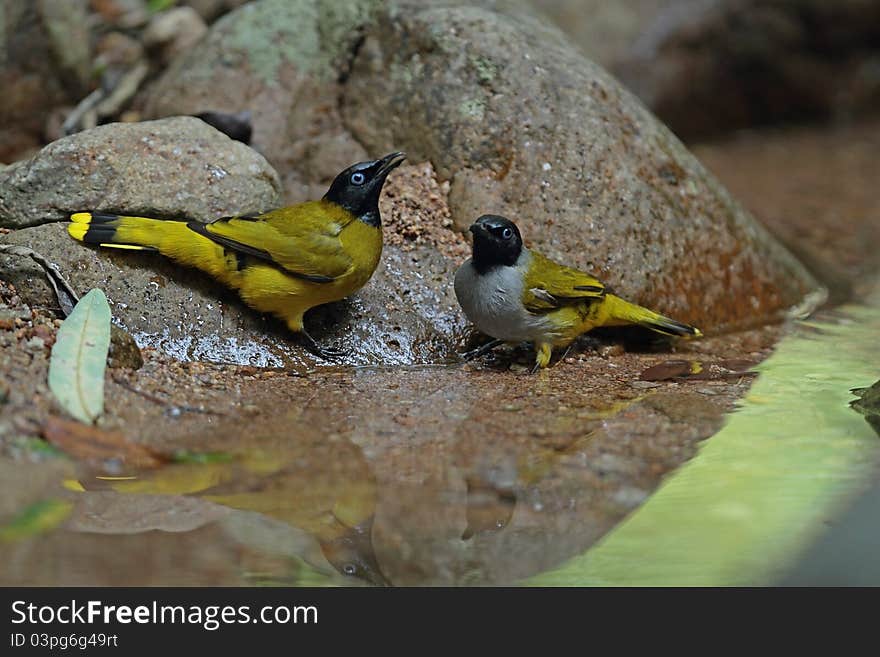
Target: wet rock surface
(707,66)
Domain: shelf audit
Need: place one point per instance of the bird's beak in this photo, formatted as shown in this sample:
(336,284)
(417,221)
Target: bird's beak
(389,162)
(477,229)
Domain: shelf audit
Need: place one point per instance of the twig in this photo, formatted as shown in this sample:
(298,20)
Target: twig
(67,297)
(163,402)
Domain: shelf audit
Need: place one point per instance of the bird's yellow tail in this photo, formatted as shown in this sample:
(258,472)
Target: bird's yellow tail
(172,238)
(620,311)
(117,231)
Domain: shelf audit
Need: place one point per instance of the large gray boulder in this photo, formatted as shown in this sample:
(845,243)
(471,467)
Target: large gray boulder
(523,125)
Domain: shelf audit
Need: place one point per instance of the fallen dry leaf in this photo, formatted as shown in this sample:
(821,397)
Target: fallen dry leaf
(98,447)
(695,370)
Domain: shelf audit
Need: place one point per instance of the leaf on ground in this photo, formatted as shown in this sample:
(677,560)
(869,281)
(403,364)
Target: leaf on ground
(695,370)
(79,358)
(38,518)
(98,447)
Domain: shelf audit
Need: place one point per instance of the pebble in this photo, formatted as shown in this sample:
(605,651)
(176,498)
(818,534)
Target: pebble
(174,31)
(7,319)
(35,344)
(609,350)
(644,385)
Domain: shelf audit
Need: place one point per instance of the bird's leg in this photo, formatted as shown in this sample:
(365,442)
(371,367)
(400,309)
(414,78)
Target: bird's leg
(327,353)
(565,353)
(479,351)
(542,357)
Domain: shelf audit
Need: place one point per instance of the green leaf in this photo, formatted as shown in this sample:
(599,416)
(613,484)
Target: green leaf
(36,519)
(79,358)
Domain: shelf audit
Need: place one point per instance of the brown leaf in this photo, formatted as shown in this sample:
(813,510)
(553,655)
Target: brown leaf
(694,370)
(105,449)
(666,370)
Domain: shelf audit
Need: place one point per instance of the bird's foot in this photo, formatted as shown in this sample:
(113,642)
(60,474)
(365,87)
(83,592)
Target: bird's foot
(327,353)
(480,351)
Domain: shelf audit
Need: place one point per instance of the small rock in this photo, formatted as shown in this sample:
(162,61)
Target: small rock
(235,126)
(611,350)
(173,32)
(7,319)
(35,344)
(178,167)
(123,352)
(117,50)
(644,385)
(125,14)
(669,369)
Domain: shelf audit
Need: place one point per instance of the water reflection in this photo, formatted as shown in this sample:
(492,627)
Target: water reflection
(378,477)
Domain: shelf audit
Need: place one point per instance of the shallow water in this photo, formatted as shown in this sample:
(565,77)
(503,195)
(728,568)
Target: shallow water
(443,475)
(469,475)
(778,474)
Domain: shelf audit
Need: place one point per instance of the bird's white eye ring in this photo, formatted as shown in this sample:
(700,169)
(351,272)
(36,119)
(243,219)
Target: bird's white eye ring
(507,233)
(357,178)
(349,569)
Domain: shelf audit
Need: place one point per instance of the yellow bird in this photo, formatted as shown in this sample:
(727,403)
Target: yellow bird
(282,262)
(516,295)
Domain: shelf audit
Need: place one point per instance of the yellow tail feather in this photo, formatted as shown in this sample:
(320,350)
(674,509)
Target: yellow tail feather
(79,225)
(621,311)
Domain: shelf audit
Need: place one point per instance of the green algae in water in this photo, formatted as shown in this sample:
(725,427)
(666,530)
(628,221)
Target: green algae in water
(758,492)
(36,519)
(198,458)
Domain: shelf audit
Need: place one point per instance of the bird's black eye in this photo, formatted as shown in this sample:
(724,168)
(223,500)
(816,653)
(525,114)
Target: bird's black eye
(350,569)
(357,178)
(507,233)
